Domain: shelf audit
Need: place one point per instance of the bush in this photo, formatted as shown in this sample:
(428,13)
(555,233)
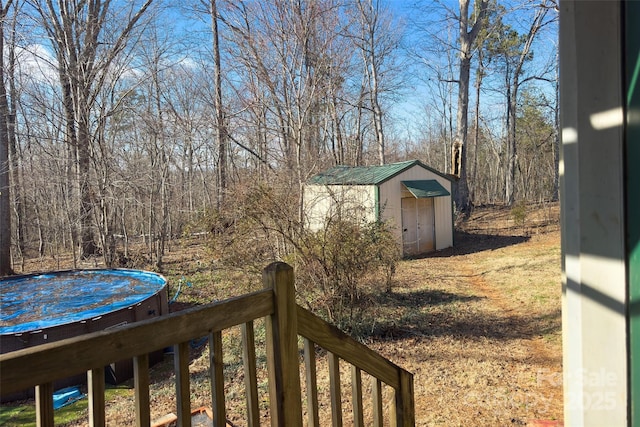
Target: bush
(519,213)
(342,264)
(257,227)
(334,267)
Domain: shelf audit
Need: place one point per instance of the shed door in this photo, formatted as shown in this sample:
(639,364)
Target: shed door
(417,225)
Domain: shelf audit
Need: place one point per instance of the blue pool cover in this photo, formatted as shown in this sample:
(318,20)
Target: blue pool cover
(33,302)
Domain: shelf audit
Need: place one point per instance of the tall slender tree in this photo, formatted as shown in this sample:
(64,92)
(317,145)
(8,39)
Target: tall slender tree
(372,59)
(469,26)
(514,80)
(221,127)
(5,208)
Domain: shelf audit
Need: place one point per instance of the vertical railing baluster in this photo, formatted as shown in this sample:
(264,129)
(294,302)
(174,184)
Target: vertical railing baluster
(311,382)
(95,386)
(183,390)
(395,414)
(377,403)
(141,385)
(44,405)
(334,386)
(250,374)
(356,387)
(216,367)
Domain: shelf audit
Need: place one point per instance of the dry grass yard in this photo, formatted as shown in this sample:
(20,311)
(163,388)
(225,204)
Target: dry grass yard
(478,325)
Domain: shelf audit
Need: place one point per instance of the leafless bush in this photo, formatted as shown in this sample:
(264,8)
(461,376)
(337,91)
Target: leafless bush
(335,267)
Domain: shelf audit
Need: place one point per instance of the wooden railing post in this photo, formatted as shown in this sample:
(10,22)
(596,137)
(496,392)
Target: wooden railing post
(406,412)
(250,372)
(216,372)
(183,389)
(334,387)
(356,399)
(282,348)
(377,402)
(311,383)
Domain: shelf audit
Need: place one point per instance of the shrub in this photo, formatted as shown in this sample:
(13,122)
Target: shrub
(519,213)
(342,264)
(335,267)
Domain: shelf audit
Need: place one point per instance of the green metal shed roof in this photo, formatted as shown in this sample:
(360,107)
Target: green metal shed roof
(364,175)
(426,188)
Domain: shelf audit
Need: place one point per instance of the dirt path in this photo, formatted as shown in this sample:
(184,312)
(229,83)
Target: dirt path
(496,298)
(538,351)
(483,338)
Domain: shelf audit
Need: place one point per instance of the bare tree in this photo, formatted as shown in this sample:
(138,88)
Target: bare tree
(514,81)
(468,31)
(5,207)
(439,105)
(221,127)
(281,48)
(76,30)
(372,59)
(536,137)
(556,139)
(17,177)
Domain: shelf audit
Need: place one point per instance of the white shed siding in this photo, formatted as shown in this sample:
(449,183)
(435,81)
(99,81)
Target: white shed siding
(390,204)
(444,221)
(358,201)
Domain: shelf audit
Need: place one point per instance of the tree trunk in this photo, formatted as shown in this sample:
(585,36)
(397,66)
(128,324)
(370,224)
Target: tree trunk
(458,149)
(359,133)
(556,140)
(86,199)
(476,136)
(338,143)
(512,154)
(221,128)
(17,175)
(5,205)
(512,103)
(76,30)
(377,117)
(371,57)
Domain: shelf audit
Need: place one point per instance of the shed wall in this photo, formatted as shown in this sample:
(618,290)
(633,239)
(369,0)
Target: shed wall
(358,201)
(444,221)
(390,205)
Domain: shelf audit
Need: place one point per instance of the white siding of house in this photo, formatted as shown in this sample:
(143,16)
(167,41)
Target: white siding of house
(358,201)
(595,301)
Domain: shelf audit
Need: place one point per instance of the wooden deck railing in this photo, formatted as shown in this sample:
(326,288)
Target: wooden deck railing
(40,366)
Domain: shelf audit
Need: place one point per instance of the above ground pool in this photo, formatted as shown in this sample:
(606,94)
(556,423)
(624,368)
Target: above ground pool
(39,301)
(40,308)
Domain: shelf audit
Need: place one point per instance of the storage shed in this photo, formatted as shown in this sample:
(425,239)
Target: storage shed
(410,196)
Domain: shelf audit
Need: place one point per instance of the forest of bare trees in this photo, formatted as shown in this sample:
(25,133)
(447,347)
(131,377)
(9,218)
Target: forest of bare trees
(142,120)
